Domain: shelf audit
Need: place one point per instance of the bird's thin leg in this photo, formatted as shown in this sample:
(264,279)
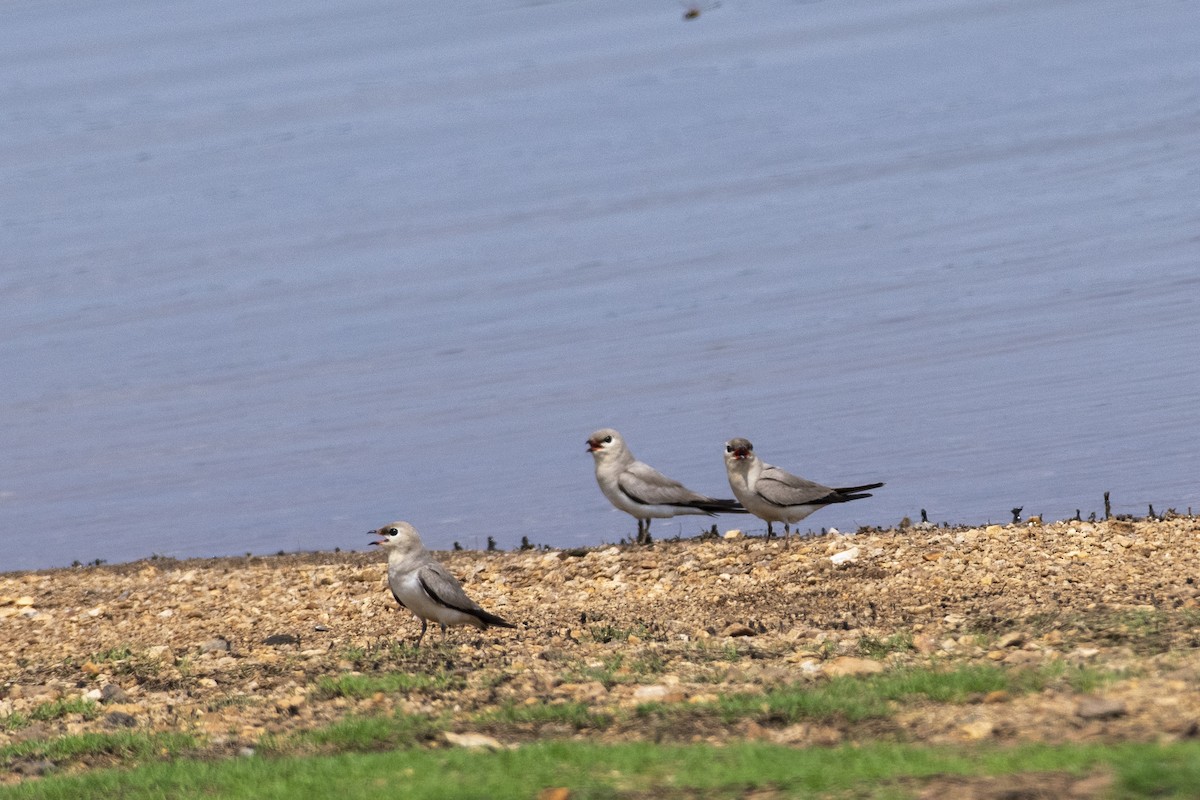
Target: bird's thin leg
(770,530)
(641,530)
(787,531)
(424,624)
(646,539)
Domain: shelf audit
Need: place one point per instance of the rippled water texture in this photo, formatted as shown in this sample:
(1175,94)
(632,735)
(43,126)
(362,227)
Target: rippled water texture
(276,273)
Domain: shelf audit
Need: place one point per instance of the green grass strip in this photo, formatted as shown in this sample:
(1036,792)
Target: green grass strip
(857,698)
(122,745)
(360,686)
(606,772)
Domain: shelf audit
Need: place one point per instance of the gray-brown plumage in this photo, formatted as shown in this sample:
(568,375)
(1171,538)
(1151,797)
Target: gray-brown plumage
(642,491)
(425,587)
(773,495)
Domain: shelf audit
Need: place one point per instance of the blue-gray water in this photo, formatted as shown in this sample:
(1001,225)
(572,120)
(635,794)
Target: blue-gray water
(274,273)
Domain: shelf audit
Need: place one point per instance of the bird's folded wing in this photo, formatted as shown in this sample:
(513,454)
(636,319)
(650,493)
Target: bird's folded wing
(784,489)
(645,484)
(445,589)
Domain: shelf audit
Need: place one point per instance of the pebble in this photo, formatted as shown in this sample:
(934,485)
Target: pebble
(278,639)
(112,693)
(851,665)
(119,719)
(1100,708)
(473,740)
(737,629)
(845,556)
(978,730)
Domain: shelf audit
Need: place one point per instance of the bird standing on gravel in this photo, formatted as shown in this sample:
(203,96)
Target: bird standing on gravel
(424,586)
(773,495)
(642,491)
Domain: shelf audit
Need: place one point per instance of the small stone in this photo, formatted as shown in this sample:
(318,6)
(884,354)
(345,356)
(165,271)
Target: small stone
(91,668)
(120,719)
(1100,708)
(978,730)
(658,694)
(291,705)
(1012,639)
(554,793)
(851,665)
(650,693)
(997,696)
(217,645)
(112,693)
(924,644)
(733,534)
(278,639)
(1023,658)
(845,557)
(472,740)
(737,629)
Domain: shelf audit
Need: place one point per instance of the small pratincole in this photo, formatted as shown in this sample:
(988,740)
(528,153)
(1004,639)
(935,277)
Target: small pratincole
(642,491)
(774,495)
(425,587)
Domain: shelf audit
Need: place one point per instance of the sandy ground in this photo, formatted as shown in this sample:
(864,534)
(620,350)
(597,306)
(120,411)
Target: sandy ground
(232,649)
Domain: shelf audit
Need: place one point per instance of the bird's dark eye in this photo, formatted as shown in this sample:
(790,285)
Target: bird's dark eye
(392,531)
(728,448)
(608,439)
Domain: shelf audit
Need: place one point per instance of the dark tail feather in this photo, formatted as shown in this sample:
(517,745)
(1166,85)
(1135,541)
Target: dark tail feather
(719,507)
(491,619)
(863,488)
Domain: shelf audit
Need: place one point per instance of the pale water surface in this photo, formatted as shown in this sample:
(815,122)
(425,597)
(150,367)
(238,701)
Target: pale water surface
(274,273)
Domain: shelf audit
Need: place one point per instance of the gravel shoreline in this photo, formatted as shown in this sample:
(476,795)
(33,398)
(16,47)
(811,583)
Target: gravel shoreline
(233,649)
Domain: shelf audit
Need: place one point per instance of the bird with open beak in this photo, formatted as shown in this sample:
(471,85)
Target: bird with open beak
(643,492)
(426,588)
(774,495)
